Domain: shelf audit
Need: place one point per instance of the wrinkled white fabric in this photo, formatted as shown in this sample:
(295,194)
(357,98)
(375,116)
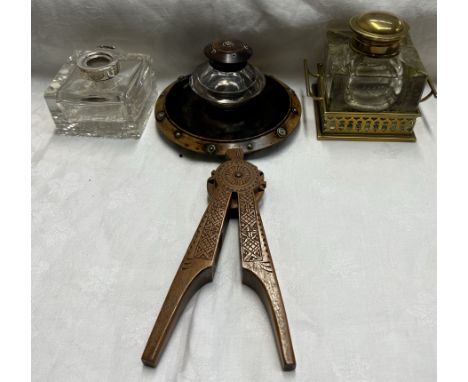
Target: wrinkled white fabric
(351,225)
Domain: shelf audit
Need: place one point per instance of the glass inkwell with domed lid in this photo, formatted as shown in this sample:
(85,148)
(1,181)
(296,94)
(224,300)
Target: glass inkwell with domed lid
(372,81)
(227,80)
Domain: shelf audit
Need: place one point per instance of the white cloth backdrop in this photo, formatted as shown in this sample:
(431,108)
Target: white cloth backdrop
(351,225)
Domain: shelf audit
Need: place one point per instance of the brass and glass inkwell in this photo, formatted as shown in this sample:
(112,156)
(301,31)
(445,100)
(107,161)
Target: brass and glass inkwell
(372,81)
(227,108)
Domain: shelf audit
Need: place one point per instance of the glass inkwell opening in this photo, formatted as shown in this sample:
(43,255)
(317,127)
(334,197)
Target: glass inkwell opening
(99,65)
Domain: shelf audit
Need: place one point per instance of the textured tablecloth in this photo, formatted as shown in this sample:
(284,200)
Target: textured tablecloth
(351,228)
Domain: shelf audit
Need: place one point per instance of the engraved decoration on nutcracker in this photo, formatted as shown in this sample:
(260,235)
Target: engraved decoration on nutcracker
(235,183)
(227,108)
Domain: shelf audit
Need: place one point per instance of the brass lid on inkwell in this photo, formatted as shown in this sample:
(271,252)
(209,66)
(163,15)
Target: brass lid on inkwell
(378,34)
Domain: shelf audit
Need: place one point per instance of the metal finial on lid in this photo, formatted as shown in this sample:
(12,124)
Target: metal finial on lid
(228,52)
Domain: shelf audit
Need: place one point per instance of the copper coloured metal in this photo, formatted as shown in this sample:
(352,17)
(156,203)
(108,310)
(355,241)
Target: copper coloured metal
(234,189)
(194,124)
(235,179)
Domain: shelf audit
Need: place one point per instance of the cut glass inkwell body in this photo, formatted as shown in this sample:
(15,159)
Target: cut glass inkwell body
(372,81)
(103,92)
(227,80)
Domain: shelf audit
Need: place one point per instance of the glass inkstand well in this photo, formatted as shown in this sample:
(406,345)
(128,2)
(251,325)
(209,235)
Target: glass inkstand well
(227,80)
(102,93)
(372,81)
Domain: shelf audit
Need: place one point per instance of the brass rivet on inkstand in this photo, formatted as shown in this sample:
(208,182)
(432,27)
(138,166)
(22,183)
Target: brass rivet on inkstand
(281,132)
(211,149)
(160,116)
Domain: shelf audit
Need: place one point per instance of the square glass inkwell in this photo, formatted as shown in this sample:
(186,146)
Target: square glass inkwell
(103,92)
